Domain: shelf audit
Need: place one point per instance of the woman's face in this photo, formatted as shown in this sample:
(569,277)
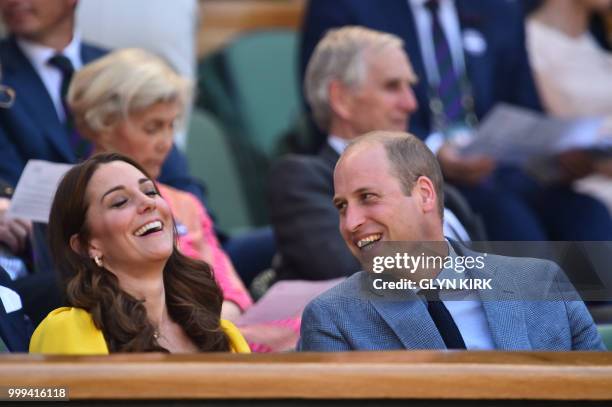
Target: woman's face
(130,224)
(146,136)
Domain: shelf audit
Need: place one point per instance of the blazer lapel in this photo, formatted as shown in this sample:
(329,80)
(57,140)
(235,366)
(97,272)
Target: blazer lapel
(32,94)
(407,316)
(400,21)
(329,155)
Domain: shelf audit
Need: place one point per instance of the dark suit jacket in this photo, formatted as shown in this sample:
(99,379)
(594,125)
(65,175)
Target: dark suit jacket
(31,129)
(305,221)
(501,73)
(15,329)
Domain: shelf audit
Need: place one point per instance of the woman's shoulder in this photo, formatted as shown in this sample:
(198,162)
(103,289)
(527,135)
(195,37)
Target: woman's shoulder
(237,342)
(68,330)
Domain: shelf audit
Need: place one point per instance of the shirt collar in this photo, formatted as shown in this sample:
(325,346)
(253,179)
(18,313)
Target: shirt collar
(337,143)
(39,54)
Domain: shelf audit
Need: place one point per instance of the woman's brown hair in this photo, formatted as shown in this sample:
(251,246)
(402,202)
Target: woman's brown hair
(192,295)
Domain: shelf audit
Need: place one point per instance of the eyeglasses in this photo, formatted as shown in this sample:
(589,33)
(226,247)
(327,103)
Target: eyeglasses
(7,96)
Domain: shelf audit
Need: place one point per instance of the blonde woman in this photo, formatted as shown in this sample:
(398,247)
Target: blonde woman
(130,102)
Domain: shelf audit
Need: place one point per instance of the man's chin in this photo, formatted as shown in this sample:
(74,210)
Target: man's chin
(153,171)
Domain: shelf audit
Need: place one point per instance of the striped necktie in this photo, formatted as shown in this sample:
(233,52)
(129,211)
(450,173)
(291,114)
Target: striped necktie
(63,64)
(449,86)
(81,147)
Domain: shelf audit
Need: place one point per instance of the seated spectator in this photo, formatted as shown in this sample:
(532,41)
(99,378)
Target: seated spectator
(167,29)
(13,232)
(572,73)
(358,80)
(470,56)
(39,58)
(15,329)
(128,102)
(388,188)
(128,287)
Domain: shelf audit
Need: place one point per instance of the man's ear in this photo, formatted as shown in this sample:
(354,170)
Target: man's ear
(340,99)
(425,191)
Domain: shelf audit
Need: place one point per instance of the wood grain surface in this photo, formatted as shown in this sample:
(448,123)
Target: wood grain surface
(367,375)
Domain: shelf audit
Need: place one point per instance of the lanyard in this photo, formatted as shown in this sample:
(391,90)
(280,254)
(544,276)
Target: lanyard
(458,130)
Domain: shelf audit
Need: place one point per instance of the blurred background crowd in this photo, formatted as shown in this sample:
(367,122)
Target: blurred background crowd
(247,166)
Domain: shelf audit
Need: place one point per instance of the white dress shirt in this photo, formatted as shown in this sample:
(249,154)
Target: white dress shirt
(39,56)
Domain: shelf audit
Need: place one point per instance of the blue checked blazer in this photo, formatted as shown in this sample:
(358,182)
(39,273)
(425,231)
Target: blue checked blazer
(354,316)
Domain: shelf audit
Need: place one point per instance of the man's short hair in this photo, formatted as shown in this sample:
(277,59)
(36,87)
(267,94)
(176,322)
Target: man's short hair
(340,55)
(409,158)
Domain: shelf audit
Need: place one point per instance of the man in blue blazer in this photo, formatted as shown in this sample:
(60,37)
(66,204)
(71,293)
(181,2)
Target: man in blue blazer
(485,40)
(36,127)
(388,189)
(15,329)
(496,64)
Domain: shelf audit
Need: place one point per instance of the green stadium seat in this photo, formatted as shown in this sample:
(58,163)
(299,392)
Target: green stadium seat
(212,161)
(251,85)
(606,334)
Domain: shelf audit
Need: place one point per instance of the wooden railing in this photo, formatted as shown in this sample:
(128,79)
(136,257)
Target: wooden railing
(368,375)
(222,20)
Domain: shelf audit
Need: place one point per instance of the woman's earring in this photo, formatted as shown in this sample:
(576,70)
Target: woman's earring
(98,261)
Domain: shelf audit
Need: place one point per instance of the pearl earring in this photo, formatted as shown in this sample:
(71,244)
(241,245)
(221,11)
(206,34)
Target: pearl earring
(98,261)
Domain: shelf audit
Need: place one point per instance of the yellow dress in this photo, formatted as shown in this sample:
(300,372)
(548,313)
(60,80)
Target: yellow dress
(71,331)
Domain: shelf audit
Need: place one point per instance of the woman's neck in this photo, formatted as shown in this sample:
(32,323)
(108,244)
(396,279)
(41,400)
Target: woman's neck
(567,16)
(148,287)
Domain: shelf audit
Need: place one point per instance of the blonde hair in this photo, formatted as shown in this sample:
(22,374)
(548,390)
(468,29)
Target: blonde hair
(340,55)
(120,83)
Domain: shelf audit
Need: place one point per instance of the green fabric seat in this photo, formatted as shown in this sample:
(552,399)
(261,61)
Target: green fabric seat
(262,66)
(251,86)
(212,161)
(606,334)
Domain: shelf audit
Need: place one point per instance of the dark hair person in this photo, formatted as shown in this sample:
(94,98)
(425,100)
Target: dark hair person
(129,102)
(129,289)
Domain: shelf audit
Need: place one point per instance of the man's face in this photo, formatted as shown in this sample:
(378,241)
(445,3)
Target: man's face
(32,19)
(385,100)
(371,202)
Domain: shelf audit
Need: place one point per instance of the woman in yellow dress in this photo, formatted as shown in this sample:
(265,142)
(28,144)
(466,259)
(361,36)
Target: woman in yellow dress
(129,288)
